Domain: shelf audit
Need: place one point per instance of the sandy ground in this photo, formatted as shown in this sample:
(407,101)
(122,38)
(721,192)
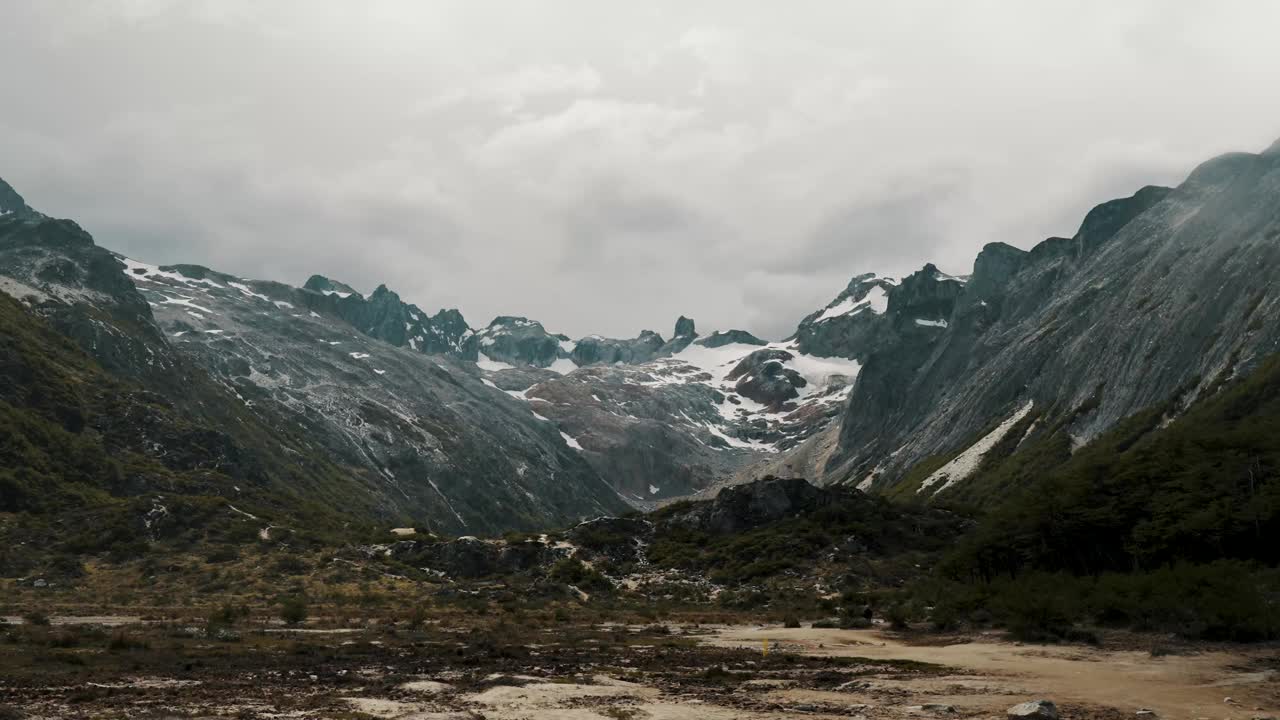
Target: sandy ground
(1002,674)
(663,676)
(987,678)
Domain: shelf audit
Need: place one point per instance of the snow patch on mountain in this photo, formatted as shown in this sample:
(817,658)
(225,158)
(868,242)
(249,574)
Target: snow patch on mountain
(963,465)
(244,290)
(142,271)
(487,363)
(564,366)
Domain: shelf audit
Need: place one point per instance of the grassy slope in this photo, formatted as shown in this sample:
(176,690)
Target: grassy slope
(84,457)
(1161,525)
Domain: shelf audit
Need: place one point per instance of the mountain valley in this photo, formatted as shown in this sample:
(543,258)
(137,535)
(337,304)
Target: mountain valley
(1072,446)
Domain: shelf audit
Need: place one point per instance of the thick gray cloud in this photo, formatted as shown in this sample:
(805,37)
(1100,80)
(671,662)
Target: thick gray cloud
(605,166)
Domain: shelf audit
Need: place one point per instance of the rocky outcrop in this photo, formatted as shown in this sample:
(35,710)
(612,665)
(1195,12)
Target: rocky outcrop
(762,377)
(13,206)
(596,350)
(620,539)
(325,286)
(720,338)
(383,315)
(78,287)
(683,335)
(516,341)
(751,505)
(471,558)
(852,324)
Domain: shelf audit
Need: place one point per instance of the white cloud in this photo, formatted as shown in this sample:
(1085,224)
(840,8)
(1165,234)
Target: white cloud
(511,91)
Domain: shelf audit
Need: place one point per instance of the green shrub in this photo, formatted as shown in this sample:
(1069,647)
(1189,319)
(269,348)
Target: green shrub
(121,641)
(293,610)
(899,615)
(572,571)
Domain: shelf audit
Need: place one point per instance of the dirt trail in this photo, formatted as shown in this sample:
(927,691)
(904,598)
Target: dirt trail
(1176,686)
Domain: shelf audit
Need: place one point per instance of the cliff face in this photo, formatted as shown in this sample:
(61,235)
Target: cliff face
(1167,290)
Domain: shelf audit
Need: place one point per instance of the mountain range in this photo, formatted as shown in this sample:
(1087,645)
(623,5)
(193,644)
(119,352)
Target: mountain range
(328,404)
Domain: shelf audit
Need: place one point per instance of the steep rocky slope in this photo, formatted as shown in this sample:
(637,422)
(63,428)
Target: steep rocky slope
(422,437)
(1163,291)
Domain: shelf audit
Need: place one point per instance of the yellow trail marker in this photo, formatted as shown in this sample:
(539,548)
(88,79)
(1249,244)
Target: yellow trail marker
(764,648)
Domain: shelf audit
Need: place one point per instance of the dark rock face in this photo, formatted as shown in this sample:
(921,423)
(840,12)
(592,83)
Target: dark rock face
(730,337)
(762,377)
(1155,292)
(81,290)
(383,315)
(743,507)
(925,294)
(517,341)
(325,286)
(595,350)
(12,206)
(852,324)
(684,335)
(470,558)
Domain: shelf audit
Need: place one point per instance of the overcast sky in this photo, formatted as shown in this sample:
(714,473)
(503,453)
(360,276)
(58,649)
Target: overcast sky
(606,165)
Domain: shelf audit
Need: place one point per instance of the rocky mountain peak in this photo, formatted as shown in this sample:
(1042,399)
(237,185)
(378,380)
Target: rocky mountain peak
(685,334)
(850,323)
(322,284)
(511,321)
(928,292)
(1105,220)
(994,267)
(596,350)
(720,338)
(516,340)
(12,204)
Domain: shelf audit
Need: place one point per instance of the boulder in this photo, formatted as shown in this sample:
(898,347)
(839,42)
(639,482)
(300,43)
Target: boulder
(1036,710)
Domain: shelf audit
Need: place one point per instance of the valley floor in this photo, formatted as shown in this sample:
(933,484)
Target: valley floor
(462,666)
